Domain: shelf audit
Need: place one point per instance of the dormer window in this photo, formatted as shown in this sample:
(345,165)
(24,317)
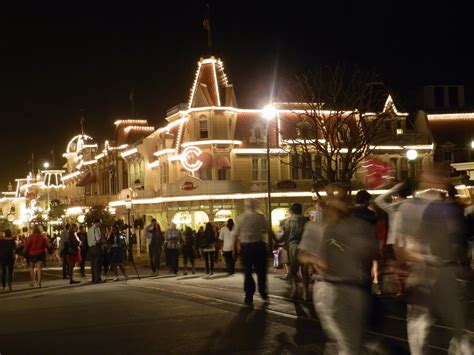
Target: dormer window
(258,133)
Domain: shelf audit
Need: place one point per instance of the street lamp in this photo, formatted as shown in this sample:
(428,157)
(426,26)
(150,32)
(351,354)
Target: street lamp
(269,112)
(412,154)
(46,165)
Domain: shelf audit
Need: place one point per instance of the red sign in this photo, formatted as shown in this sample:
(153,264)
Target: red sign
(188,185)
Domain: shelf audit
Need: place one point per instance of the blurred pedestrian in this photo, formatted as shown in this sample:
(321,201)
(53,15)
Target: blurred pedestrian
(82,235)
(431,231)
(188,250)
(155,238)
(339,249)
(116,250)
(7,258)
(35,250)
(227,236)
(173,238)
(94,242)
(208,248)
(293,227)
(73,252)
(62,240)
(253,250)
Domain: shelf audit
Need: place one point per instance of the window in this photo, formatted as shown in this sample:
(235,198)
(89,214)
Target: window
(294,167)
(439,96)
(306,166)
(344,133)
(203,129)
(453,96)
(164,173)
(259,169)
(205,173)
(258,133)
(448,157)
(318,169)
(222,174)
(388,125)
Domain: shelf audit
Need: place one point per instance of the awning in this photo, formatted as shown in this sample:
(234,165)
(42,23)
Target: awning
(87,179)
(223,162)
(206,159)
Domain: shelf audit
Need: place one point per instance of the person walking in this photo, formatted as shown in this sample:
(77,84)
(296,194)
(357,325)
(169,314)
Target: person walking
(249,241)
(94,242)
(62,240)
(340,250)
(73,252)
(227,236)
(7,258)
(293,227)
(82,235)
(155,239)
(116,247)
(208,248)
(173,238)
(35,250)
(199,237)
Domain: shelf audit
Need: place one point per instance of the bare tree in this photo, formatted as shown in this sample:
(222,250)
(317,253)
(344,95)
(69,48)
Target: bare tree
(332,126)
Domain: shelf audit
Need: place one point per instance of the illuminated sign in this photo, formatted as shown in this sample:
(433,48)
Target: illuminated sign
(190,158)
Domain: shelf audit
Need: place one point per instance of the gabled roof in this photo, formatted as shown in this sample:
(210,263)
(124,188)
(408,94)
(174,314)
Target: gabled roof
(210,87)
(129,131)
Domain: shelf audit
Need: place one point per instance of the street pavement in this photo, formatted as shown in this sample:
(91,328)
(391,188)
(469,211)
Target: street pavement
(192,314)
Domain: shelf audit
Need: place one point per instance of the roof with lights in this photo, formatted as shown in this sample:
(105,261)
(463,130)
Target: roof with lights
(454,128)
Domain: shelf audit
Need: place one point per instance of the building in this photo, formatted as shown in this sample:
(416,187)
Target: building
(211,155)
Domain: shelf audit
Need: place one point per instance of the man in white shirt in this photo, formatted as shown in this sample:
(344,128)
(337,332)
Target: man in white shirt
(94,236)
(249,233)
(227,235)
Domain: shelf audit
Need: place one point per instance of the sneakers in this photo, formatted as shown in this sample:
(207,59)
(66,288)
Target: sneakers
(72,282)
(115,279)
(185,273)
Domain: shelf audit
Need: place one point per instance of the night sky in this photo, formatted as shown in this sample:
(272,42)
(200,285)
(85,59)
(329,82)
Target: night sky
(58,61)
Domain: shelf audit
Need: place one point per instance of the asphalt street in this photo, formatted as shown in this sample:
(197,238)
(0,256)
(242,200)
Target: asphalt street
(174,314)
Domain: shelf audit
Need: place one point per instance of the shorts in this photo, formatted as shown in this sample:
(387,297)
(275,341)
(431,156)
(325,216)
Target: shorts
(36,258)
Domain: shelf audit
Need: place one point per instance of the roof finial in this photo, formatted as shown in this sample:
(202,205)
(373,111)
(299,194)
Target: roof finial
(82,124)
(207,25)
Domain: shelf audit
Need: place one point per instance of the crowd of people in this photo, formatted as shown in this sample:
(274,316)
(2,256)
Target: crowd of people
(421,234)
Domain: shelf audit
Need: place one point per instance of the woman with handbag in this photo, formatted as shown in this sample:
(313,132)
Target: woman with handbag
(73,252)
(35,252)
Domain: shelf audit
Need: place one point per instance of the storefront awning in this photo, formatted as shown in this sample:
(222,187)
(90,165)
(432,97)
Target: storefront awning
(206,159)
(223,162)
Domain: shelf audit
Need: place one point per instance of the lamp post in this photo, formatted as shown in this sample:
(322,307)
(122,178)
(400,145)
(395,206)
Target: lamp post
(412,154)
(128,206)
(48,207)
(269,112)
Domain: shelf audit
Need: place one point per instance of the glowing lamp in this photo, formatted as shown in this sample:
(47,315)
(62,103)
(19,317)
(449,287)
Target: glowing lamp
(412,154)
(269,112)
(46,165)
(472,144)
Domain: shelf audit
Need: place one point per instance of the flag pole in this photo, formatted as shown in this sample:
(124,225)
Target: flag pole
(132,103)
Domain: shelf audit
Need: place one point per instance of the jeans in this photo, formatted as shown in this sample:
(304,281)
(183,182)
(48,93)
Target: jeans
(209,257)
(7,267)
(155,258)
(173,258)
(230,262)
(82,264)
(254,259)
(95,256)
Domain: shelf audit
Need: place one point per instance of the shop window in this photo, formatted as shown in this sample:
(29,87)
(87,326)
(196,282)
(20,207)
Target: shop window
(203,128)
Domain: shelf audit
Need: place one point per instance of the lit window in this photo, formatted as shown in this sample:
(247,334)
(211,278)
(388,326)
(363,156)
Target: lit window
(399,131)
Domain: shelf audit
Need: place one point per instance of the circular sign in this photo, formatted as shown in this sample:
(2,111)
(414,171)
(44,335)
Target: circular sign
(10,217)
(81,218)
(190,158)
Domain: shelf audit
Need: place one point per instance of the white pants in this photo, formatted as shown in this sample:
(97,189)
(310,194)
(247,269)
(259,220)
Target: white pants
(342,310)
